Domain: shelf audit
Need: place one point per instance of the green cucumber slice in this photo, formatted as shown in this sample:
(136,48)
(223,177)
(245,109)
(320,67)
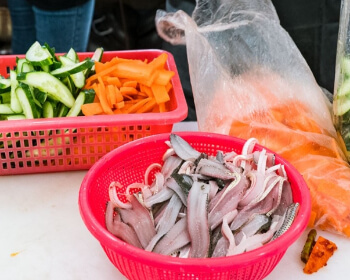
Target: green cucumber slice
(97,56)
(23,65)
(13,117)
(5,85)
(62,110)
(48,83)
(48,111)
(15,104)
(6,109)
(39,95)
(89,95)
(79,101)
(26,99)
(72,55)
(72,69)
(5,97)
(77,78)
(38,55)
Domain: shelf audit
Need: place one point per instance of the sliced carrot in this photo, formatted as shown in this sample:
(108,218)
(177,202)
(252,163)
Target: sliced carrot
(127,97)
(113,81)
(130,83)
(120,104)
(128,90)
(125,86)
(169,86)
(142,95)
(101,93)
(91,109)
(111,96)
(146,89)
(104,72)
(148,107)
(159,61)
(117,111)
(131,101)
(99,66)
(134,71)
(162,108)
(137,106)
(163,77)
(160,93)
(118,95)
(155,109)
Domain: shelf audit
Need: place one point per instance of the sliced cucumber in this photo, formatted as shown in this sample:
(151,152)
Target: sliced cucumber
(79,101)
(5,85)
(62,110)
(26,99)
(15,104)
(38,55)
(97,56)
(69,70)
(5,97)
(13,117)
(77,78)
(51,51)
(23,65)
(72,55)
(6,109)
(89,95)
(49,84)
(48,111)
(69,83)
(46,68)
(40,96)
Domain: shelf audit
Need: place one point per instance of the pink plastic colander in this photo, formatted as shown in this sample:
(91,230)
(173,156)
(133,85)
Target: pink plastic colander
(127,164)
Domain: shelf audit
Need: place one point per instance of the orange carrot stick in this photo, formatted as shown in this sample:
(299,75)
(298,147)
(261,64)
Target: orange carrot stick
(101,93)
(128,90)
(113,81)
(163,77)
(160,93)
(148,107)
(111,96)
(91,109)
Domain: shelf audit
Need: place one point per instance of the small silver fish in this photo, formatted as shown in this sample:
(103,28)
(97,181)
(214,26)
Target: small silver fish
(288,220)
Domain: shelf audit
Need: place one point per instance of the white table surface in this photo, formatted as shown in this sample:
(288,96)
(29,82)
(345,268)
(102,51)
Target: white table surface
(42,235)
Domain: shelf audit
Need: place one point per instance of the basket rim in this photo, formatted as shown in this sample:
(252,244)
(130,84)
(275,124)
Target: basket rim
(166,118)
(278,246)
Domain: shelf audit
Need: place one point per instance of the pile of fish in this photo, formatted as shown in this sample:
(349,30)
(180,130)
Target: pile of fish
(201,206)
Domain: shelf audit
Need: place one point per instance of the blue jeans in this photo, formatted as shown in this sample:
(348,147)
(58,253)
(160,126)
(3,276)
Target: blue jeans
(61,29)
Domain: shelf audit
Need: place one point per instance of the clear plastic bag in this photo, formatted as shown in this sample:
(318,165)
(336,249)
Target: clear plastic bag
(250,80)
(341,103)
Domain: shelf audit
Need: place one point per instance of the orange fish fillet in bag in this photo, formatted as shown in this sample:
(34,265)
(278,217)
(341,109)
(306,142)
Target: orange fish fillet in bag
(250,80)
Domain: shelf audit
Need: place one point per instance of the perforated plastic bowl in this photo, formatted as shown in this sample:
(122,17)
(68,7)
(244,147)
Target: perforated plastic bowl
(128,163)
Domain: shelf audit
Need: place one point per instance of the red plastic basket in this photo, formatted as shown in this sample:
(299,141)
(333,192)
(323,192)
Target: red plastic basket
(76,143)
(128,163)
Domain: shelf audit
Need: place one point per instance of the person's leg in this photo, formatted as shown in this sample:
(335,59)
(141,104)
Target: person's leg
(65,29)
(23,26)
